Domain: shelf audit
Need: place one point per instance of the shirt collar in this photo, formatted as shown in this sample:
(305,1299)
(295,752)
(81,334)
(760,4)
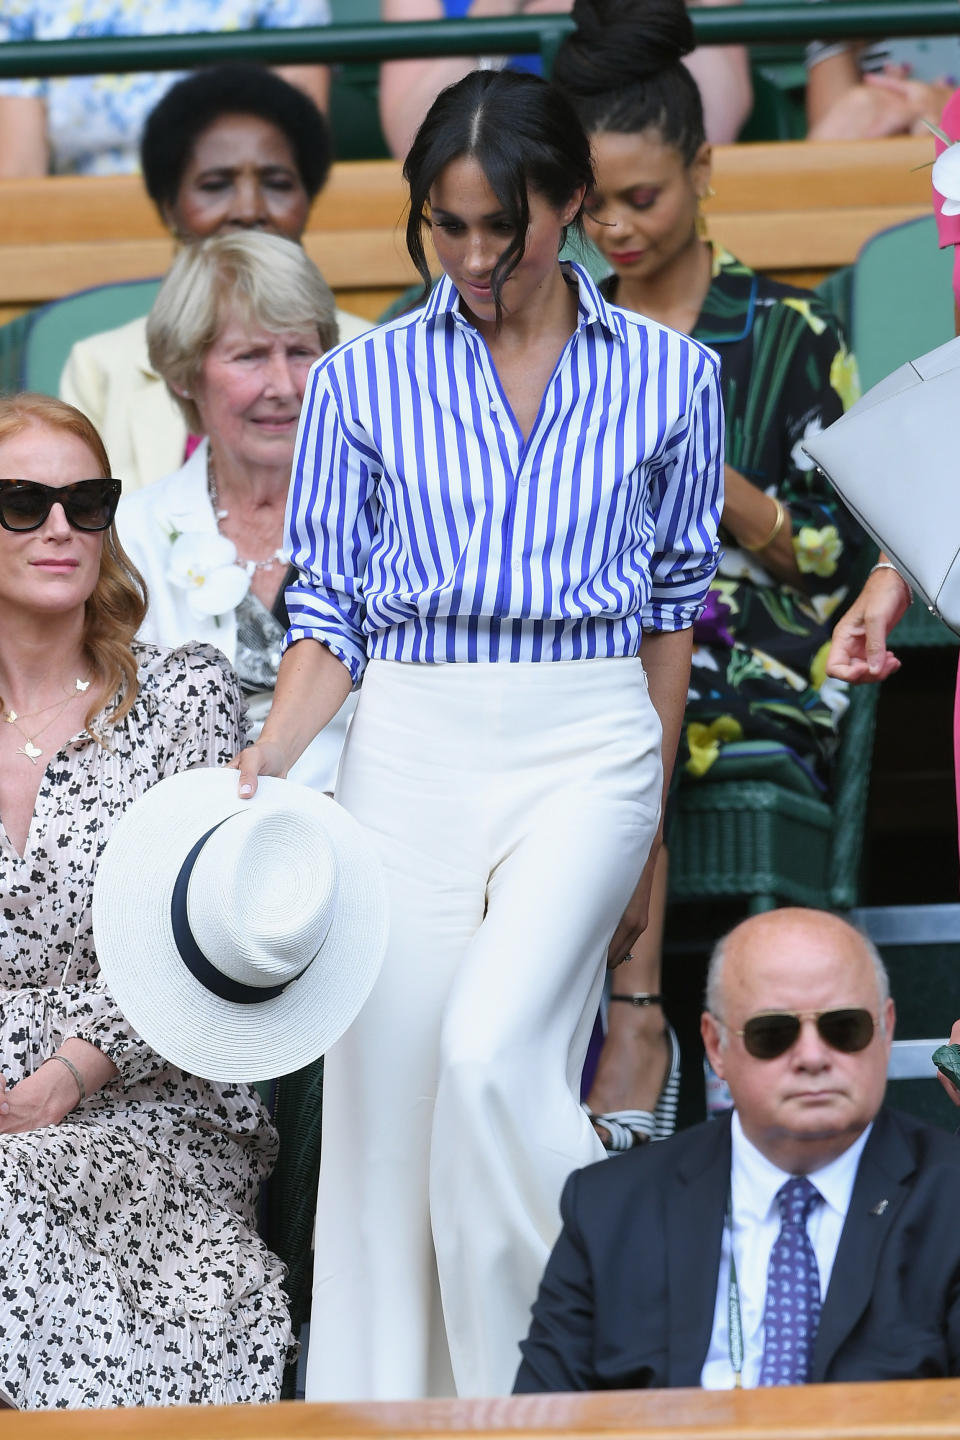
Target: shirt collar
(727,311)
(445,299)
(755,1180)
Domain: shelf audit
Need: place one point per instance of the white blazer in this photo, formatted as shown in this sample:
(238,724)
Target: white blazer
(146,521)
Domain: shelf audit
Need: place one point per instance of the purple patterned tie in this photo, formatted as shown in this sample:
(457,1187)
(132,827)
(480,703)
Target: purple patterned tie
(791,1312)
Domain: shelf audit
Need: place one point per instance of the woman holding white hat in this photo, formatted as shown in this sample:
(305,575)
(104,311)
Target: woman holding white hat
(498,502)
(132,1271)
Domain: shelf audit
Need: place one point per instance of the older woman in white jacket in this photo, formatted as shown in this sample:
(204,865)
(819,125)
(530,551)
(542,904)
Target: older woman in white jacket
(236,326)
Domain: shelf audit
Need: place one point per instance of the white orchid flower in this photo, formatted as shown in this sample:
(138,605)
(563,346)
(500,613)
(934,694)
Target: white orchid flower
(798,455)
(946,179)
(204,565)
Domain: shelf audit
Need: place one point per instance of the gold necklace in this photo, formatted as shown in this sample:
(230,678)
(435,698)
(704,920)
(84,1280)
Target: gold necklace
(30,749)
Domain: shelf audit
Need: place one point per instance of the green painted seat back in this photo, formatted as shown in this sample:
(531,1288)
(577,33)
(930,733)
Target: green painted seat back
(902,303)
(52,330)
(289,1200)
(770,844)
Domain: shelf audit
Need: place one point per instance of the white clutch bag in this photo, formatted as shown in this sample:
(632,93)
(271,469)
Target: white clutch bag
(894,460)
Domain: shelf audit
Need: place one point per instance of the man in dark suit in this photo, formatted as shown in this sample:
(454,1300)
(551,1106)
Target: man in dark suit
(811,1235)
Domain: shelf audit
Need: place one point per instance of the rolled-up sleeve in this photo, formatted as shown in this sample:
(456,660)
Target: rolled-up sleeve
(332,517)
(687,497)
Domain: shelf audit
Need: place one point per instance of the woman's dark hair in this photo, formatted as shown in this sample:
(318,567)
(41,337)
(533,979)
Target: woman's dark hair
(621,69)
(194,103)
(521,132)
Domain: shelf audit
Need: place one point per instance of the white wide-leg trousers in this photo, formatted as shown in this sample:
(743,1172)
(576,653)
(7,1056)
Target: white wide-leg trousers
(513,806)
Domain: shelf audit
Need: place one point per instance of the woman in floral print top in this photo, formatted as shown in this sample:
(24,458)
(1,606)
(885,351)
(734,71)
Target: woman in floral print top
(760,652)
(130,1268)
(789,547)
(90,124)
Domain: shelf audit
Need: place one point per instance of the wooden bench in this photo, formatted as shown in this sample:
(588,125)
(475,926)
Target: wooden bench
(796,210)
(899,1410)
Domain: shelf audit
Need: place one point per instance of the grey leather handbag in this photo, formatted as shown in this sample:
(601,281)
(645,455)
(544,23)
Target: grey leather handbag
(894,460)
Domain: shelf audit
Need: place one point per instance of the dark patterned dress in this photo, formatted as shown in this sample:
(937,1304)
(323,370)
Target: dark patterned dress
(130,1268)
(760,646)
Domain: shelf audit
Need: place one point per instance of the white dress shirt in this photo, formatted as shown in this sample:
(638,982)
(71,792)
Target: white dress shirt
(754,1183)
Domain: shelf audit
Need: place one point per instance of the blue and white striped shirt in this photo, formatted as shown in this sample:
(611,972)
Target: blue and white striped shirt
(425,528)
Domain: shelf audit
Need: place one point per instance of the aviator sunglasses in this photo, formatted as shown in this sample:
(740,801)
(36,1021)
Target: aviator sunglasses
(87,504)
(767,1036)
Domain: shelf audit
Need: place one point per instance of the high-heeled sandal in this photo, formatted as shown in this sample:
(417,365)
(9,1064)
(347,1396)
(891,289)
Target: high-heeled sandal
(626,1128)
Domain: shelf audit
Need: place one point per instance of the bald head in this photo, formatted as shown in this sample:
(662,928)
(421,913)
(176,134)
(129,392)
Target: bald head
(803,1093)
(790,926)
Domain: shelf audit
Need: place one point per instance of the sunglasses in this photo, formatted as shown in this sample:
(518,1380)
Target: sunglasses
(87,504)
(767,1036)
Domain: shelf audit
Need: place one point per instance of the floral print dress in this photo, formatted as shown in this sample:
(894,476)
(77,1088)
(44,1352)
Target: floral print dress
(760,646)
(130,1268)
(94,121)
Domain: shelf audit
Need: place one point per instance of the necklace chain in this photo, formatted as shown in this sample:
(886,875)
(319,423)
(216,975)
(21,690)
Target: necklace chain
(30,749)
(219,514)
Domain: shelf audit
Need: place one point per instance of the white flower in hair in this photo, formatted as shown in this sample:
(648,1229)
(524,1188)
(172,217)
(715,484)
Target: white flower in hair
(946,179)
(945,175)
(204,565)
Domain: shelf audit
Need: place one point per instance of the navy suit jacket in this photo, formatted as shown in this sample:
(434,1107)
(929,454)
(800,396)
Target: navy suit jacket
(627,1300)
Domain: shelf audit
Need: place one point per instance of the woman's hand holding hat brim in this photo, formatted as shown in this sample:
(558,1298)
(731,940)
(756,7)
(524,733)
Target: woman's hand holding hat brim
(263,758)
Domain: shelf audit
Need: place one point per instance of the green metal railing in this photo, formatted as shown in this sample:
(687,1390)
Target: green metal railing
(520,34)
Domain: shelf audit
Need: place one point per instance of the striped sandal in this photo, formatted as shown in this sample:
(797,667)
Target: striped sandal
(627,1128)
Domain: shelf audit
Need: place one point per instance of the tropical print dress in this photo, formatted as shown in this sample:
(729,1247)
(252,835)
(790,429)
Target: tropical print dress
(760,646)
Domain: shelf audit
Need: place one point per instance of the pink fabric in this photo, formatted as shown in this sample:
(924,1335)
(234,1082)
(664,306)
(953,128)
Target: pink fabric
(956,746)
(948,226)
(948,233)
(194,440)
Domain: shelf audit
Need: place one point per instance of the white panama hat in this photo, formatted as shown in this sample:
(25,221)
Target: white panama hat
(239,937)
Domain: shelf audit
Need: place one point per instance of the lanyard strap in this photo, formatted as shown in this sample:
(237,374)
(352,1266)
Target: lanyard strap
(734,1321)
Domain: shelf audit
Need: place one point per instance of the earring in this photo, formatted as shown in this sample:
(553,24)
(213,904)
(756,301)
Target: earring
(703,229)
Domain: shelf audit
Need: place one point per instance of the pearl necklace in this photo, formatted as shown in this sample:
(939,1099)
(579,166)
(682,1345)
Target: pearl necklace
(251,566)
(30,750)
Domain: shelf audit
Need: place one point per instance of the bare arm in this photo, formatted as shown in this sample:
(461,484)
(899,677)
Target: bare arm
(23,138)
(828,81)
(313,80)
(49,1095)
(750,516)
(409,87)
(666,659)
(858,648)
(312,684)
(722,73)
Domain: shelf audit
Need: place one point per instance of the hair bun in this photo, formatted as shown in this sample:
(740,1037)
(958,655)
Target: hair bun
(621,42)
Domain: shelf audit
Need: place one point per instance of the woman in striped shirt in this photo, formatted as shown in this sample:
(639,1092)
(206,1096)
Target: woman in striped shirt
(498,502)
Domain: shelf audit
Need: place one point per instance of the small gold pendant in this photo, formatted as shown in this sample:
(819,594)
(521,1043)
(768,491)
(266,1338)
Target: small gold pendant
(30,750)
(10,716)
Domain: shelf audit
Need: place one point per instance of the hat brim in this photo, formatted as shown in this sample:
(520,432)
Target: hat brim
(164,1002)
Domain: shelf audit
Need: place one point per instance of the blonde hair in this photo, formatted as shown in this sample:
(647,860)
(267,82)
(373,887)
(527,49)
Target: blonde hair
(114,611)
(261,279)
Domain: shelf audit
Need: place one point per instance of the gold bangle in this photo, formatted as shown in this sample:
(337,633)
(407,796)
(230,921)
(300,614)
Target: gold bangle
(775,531)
